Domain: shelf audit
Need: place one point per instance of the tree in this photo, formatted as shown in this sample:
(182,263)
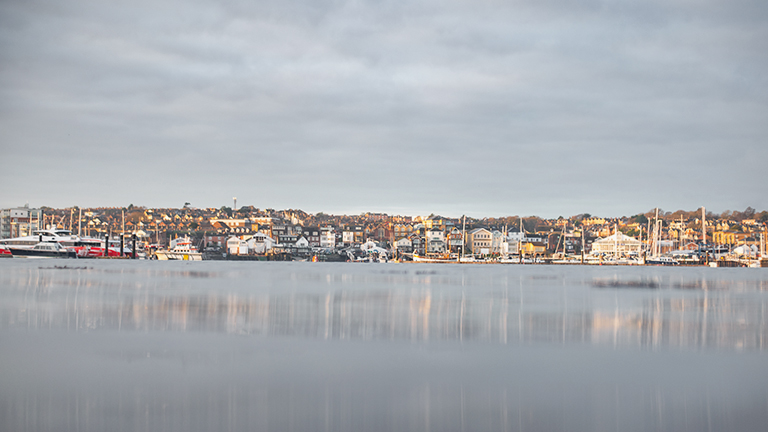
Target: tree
(186,205)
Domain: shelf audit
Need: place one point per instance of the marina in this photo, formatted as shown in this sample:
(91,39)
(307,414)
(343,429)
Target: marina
(652,239)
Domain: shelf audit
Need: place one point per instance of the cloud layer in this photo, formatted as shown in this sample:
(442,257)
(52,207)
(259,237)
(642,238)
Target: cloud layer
(483,108)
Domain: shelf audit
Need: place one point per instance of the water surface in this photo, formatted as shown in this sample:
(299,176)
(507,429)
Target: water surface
(180,346)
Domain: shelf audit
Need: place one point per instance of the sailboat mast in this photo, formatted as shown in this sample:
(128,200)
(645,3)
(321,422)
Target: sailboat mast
(463,233)
(656,234)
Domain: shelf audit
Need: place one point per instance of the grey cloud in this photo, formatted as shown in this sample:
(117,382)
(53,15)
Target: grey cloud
(383,99)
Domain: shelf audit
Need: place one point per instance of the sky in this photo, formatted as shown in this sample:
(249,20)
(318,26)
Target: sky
(483,108)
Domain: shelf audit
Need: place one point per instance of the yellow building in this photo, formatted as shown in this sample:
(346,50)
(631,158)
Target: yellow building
(593,221)
(533,248)
(724,237)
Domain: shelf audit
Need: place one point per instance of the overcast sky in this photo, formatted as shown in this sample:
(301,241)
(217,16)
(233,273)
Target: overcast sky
(485,108)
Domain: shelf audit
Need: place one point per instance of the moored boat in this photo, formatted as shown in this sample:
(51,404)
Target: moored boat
(434,259)
(84,247)
(661,260)
(180,249)
(61,236)
(48,249)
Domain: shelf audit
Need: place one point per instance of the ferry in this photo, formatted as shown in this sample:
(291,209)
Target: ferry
(62,236)
(84,247)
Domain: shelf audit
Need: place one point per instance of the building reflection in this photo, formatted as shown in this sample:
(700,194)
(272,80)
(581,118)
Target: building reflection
(419,312)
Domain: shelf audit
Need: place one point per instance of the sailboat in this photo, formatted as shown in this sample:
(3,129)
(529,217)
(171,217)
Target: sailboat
(656,258)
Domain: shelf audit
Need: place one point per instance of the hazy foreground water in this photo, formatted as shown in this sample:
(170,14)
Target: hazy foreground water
(226,346)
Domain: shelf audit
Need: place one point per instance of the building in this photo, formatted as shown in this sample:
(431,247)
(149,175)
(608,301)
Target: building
(402,230)
(328,237)
(404,245)
(19,221)
(479,241)
(260,243)
(617,244)
(436,243)
(352,234)
(533,248)
(455,240)
(515,240)
(312,235)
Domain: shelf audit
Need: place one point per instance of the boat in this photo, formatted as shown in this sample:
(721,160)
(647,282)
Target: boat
(446,258)
(61,236)
(84,247)
(656,258)
(180,249)
(661,260)
(93,248)
(49,249)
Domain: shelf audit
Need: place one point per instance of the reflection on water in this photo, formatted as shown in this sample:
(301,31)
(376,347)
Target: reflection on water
(346,347)
(403,304)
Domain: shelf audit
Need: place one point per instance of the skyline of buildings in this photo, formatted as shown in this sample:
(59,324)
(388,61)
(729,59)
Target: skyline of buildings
(427,234)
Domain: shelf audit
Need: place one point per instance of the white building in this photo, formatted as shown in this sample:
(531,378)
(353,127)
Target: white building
(436,241)
(515,240)
(19,221)
(404,245)
(617,244)
(237,246)
(327,238)
(260,243)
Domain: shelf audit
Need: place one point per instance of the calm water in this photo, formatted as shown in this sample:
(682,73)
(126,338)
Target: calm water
(226,346)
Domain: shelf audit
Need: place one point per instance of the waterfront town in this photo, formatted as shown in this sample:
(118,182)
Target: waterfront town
(734,238)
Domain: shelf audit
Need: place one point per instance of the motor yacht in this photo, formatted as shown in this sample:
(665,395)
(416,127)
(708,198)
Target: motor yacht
(47,249)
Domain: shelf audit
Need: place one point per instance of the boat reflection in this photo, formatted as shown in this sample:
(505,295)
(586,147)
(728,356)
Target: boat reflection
(398,305)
